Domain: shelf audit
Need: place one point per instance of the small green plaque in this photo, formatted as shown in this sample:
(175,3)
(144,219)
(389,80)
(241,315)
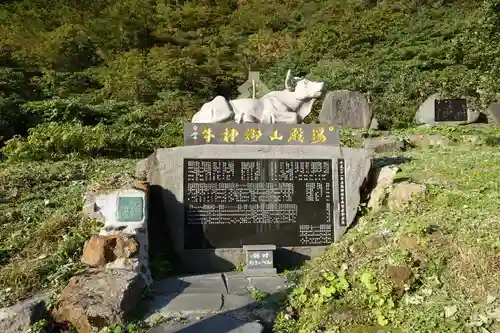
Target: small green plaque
(130,209)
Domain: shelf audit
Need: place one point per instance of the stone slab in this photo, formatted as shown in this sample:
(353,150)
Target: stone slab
(165,174)
(346,108)
(374,125)
(211,324)
(383,145)
(203,284)
(167,286)
(20,316)
(260,271)
(263,247)
(184,304)
(197,284)
(426,112)
(234,302)
(236,283)
(494,111)
(269,285)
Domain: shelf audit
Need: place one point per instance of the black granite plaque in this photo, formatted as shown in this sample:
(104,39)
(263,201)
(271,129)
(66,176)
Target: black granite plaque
(232,202)
(450,110)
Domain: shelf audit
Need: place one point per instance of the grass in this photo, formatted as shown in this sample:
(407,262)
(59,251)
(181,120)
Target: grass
(42,225)
(449,240)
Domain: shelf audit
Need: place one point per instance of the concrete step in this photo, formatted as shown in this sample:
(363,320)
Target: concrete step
(211,303)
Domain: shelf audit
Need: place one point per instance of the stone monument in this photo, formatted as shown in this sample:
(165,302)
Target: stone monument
(218,198)
(289,106)
(125,212)
(438,111)
(252,178)
(346,108)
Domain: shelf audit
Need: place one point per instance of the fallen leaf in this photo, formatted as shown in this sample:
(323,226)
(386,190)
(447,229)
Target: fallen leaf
(449,311)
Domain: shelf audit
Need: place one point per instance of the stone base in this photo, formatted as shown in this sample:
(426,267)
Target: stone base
(226,260)
(259,271)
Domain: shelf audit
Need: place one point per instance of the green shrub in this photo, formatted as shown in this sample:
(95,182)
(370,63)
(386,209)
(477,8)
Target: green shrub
(56,141)
(52,141)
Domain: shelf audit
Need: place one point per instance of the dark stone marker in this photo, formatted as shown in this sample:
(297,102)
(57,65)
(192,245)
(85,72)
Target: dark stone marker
(450,110)
(259,260)
(232,202)
(437,111)
(130,209)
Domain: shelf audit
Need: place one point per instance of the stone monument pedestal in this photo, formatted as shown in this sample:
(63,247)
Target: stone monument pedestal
(259,260)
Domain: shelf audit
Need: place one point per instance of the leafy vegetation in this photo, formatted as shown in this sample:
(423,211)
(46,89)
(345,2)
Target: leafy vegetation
(447,244)
(126,73)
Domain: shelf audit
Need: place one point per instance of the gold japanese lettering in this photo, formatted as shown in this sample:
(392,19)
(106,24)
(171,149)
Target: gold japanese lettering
(207,134)
(318,135)
(275,135)
(297,134)
(229,135)
(253,134)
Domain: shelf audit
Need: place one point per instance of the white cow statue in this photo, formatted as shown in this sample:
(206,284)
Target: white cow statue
(288,106)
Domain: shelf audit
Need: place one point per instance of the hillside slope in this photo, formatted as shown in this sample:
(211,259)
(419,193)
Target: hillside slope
(129,71)
(432,267)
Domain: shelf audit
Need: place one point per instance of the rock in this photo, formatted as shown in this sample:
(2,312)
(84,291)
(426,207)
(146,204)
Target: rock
(474,140)
(400,277)
(463,111)
(411,244)
(343,315)
(100,250)
(383,178)
(383,145)
(142,186)
(426,140)
(403,194)
(141,172)
(98,299)
(494,111)
(374,242)
(346,108)
(374,124)
(19,317)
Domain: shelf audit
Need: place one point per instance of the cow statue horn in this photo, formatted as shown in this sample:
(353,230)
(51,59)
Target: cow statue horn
(288,80)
